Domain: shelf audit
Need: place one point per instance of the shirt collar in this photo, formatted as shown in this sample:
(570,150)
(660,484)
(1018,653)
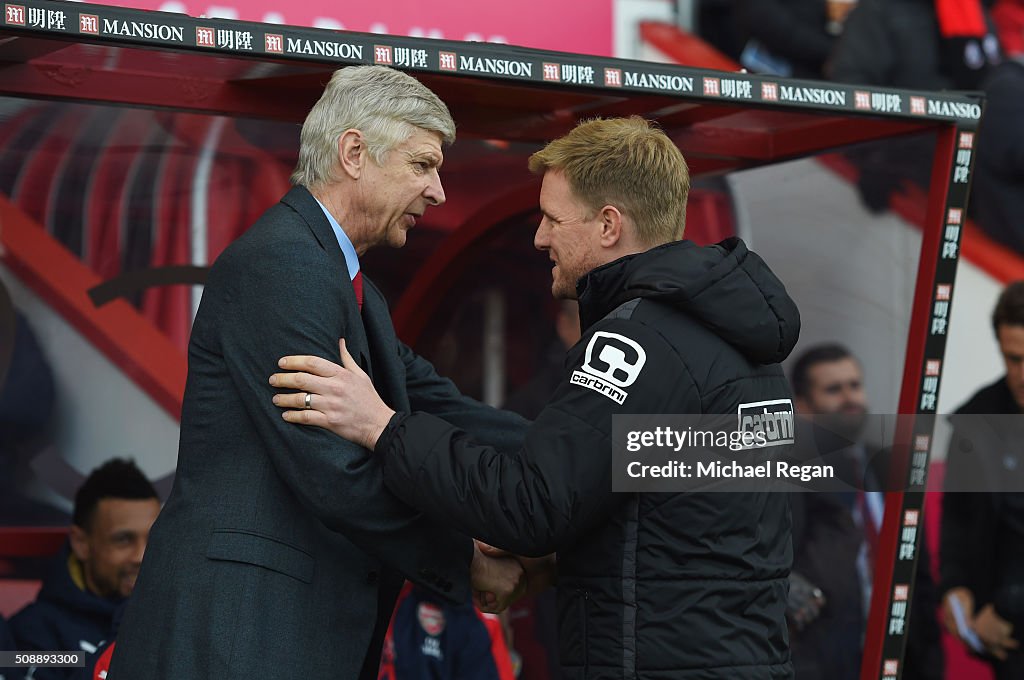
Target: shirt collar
(349,250)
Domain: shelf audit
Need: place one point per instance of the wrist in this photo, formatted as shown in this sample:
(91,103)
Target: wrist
(376,427)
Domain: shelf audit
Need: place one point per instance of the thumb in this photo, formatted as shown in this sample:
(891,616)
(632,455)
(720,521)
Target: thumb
(490,550)
(346,359)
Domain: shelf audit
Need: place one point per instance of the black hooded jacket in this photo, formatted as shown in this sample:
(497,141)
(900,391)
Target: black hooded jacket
(651,586)
(65,617)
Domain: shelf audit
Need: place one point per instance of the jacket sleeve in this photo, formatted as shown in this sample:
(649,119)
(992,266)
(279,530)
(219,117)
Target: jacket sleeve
(968,530)
(1004,110)
(782,31)
(558,485)
(35,628)
(864,54)
(431,393)
(290,302)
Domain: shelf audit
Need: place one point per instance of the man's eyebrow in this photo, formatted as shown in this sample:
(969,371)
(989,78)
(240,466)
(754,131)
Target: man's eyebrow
(430,156)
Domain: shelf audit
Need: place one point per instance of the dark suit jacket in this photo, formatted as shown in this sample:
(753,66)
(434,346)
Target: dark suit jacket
(280,553)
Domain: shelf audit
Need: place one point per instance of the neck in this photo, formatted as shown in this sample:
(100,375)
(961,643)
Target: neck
(333,197)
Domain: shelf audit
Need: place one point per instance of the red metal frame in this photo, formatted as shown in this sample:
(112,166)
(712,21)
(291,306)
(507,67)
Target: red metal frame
(31,541)
(942,164)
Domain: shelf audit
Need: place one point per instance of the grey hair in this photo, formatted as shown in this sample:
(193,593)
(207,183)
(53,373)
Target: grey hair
(384,104)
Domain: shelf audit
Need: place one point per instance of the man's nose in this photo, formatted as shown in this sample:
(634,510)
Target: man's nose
(434,191)
(540,237)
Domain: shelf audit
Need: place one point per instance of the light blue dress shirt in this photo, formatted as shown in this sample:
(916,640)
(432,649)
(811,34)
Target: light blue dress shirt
(349,250)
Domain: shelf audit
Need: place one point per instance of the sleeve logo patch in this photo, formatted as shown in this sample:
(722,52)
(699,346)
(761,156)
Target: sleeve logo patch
(612,362)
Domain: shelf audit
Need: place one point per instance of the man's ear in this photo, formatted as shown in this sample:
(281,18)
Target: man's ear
(352,156)
(79,543)
(802,407)
(611,226)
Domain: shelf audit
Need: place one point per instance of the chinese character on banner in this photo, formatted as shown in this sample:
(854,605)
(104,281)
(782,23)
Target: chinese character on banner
(613,77)
(919,460)
(861,100)
(447,61)
(897,618)
(585,75)
(712,87)
(940,317)
(741,89)
(274,42)
(551,72)
(950,242)
(234,40)
(918,106)
(770,92)
(886,103)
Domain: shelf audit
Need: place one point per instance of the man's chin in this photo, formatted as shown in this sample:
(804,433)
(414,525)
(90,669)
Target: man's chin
(397,238)
(127,586)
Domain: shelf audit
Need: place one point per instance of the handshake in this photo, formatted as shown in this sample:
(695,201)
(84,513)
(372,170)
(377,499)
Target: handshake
(499,578)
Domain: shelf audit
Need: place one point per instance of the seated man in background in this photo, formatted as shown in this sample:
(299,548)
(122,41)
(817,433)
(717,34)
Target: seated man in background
(95,572)
(431,639)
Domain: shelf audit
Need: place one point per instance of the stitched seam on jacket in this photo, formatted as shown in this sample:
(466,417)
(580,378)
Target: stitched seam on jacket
(629,609)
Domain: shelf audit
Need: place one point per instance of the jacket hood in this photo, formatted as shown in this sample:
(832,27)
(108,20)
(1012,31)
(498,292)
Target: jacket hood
(60,589)
(727,288)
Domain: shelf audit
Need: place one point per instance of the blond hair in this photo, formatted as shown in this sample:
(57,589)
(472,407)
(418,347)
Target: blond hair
(386,105)
(628,163)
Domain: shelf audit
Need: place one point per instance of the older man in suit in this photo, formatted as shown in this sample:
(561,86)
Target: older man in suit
(280,552)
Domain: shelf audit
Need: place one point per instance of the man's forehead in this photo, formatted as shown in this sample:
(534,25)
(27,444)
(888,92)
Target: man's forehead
(1011,339)
(423,141)
(112,511)
(832,371)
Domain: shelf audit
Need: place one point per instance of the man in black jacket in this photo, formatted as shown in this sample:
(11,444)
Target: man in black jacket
(650,585)
(982,548)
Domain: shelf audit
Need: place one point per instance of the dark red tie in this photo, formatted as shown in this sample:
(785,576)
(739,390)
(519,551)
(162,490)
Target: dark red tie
(357,285)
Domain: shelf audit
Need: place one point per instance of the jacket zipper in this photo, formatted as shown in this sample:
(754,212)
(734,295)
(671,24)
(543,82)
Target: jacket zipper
(586,637)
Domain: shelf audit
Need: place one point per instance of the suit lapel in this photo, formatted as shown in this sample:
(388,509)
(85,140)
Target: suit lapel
(301,201)
(389,374)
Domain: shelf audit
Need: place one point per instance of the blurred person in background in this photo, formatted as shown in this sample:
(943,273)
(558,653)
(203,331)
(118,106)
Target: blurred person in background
(918,44)
(835,536)
(982,549)
(27,403)
(96,571)
(997,192)
(430,639)
(790,37)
